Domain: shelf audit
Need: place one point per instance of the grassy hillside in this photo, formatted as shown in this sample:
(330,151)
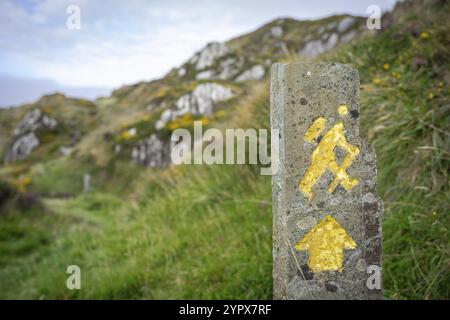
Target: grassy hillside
(205,231)
(185,232)
(406,116)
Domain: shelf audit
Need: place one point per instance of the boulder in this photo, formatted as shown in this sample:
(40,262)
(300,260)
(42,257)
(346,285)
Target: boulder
(181,72)
(198,102)
(348,36)
(151,152)
(24,139)
(206,57)
(22,147)
(254,73)
(205,75)
(316,47)
(345,24)
(229,68)
(276,31)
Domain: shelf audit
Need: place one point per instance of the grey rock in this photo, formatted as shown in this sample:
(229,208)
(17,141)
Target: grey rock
(205,75)
(226,70)
(345,24)
(348,36)
(300,94)
(24,139)
(283,47)
(206,57)
(181,72)
(165,116)
(66,151)
(151,106)
(48,122)
(22,147)
(332,25)
(276,31)
(30,122)
(316,47)
(229,68)
(34,120)
(194,59)
(199,102)
(254,73)
(151,152)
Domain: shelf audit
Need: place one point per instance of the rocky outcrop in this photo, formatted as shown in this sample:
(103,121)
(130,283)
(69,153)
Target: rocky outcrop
(254,73)
(66,151)
(226,69)
(154,151)
(276,31)
(22,147)
(348,36)
(229,68)
(236,61)
(229,61)
(206,57)
(198,102)
(151,152)
(34,120)
(181,72)
(24,139)
(205,75)
(316,47)
(345,24)
(329,37)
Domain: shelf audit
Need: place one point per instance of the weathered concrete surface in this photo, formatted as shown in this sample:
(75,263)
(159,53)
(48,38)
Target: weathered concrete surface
(300,94)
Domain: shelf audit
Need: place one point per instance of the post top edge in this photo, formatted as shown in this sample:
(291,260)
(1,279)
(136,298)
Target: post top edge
(312,64)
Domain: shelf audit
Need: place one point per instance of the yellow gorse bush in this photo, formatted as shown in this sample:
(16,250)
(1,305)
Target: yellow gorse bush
(424,35)
(220,114)
(125,135)
(395,74)
(186,121)
(22,183)
(46,109)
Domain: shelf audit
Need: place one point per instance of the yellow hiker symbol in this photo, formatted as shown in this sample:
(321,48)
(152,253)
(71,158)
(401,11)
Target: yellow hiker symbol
(326,243)
(323,156)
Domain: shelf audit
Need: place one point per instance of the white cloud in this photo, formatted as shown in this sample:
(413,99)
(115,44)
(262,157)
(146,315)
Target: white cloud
(122,42)
(111,62)
(107,52)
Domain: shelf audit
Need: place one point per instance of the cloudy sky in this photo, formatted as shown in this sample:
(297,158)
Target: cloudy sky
(122,42)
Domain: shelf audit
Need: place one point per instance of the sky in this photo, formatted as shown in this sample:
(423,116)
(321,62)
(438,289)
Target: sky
(124,42)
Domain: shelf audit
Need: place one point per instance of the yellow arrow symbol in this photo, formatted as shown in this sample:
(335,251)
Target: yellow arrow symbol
(326,243)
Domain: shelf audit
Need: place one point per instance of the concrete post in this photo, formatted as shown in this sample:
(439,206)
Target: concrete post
(327,215)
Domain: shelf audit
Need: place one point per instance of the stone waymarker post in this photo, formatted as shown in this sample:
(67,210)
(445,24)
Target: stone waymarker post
(86,183)
(326,212)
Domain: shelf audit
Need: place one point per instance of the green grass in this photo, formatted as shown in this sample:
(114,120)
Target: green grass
(189,238)
(409,129)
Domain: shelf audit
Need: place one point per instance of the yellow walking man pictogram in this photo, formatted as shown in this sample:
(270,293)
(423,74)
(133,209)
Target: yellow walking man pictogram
(323,157)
